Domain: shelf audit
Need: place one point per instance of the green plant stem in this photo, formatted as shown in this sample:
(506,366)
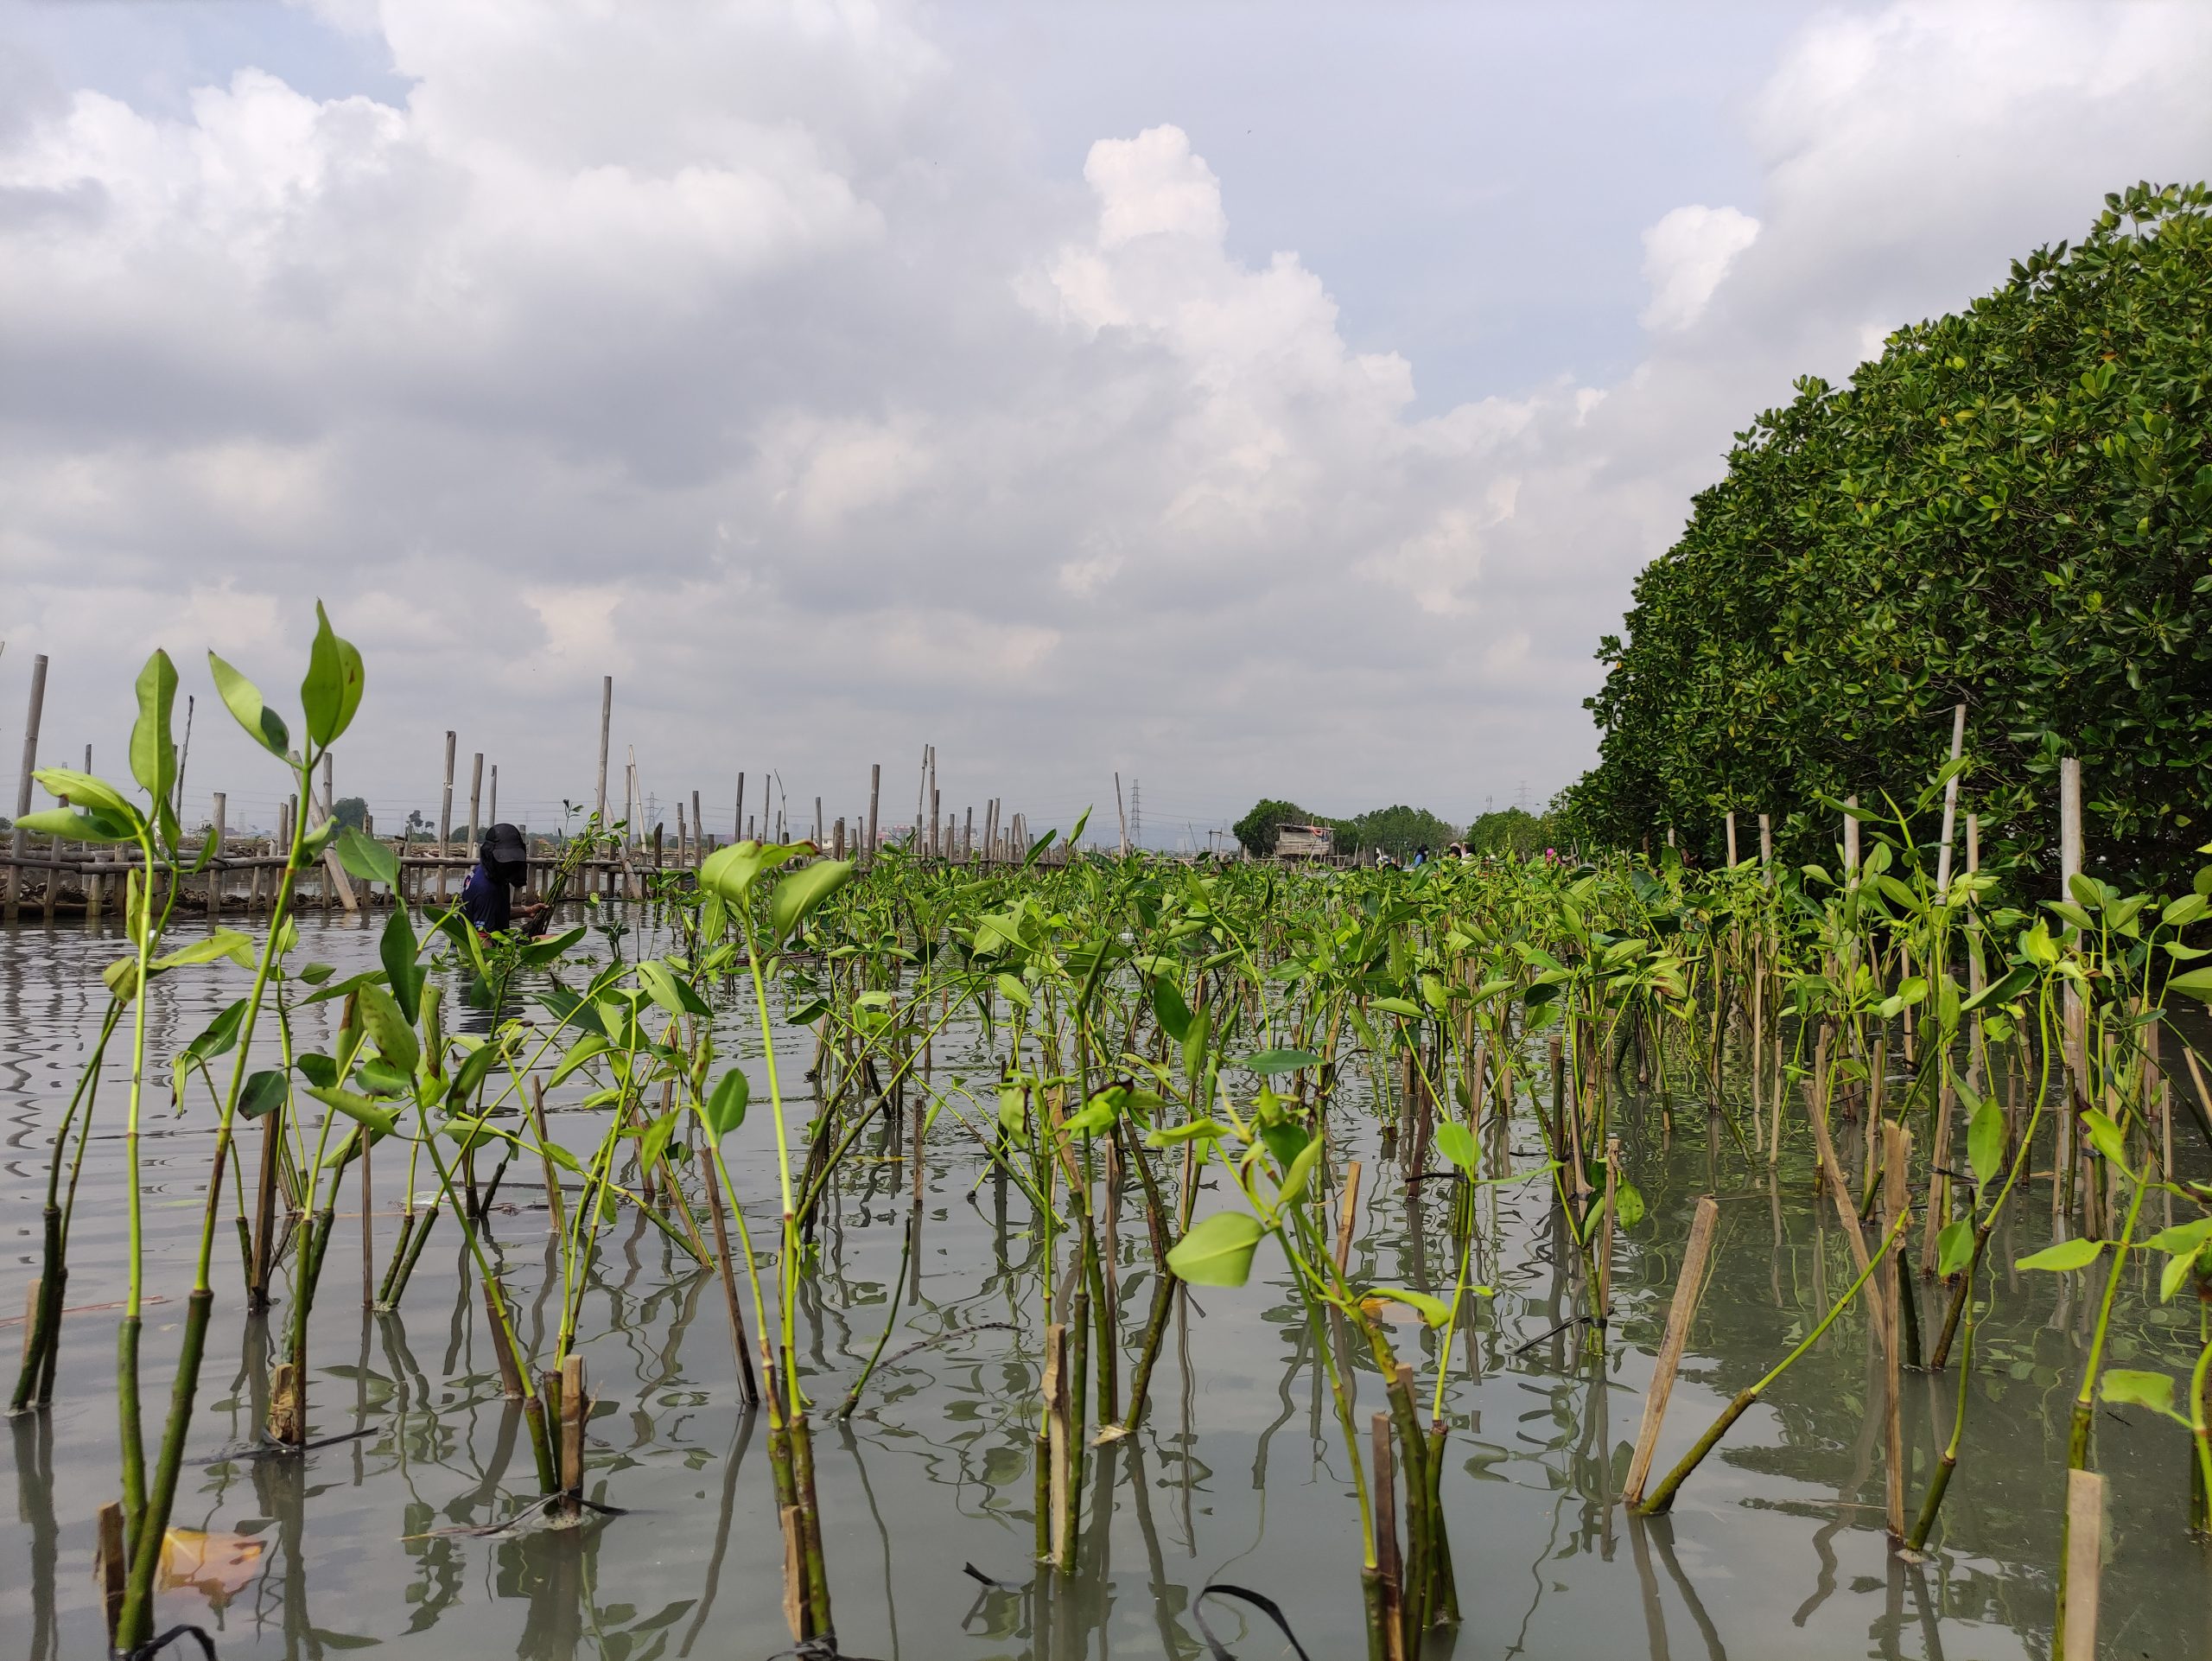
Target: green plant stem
(1663,1497)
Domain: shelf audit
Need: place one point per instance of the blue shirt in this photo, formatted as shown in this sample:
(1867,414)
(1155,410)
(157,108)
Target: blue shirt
(487,900)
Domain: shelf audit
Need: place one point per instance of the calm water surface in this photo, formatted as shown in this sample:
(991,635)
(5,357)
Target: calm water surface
(1775,1549)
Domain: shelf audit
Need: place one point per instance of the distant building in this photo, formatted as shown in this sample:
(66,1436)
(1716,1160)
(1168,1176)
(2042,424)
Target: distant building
(1305,842)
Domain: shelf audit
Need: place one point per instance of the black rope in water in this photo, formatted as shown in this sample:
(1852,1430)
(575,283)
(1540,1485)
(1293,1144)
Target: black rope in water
(154,1645)
(1266,1605)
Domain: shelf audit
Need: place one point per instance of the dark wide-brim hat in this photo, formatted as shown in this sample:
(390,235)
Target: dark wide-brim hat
(503,845)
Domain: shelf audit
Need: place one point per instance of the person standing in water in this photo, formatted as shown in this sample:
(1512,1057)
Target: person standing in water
(487,899)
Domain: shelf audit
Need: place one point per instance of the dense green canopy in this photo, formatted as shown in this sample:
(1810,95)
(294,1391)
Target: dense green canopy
(2011,507)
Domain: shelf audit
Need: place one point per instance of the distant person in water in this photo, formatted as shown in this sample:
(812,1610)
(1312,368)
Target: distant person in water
(487,899)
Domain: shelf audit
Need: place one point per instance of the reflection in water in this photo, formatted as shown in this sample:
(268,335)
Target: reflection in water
(395,1536)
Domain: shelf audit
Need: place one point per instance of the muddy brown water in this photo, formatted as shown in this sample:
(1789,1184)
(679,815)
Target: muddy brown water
(1236,1475)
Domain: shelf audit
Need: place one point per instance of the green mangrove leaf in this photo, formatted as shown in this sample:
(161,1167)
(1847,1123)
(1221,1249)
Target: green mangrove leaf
(1955,1245)
(798,895)
(2197,983)
(367,858)
(1014,992)
(398,951)
(1218,1251)
(731,871)
(724,1110)
(1985,1139)
(672,994)
(378,1118)
(2067,1254)
(332,692)
(243,698)
(74,825)
(2107,1136)
(1628,1202)
(262,1094)
(1193,1130)
(391,1029)
(2126,1386)
(2176,1272)
(223,943)
(1272,1062)
(1433,1311)
(1457,1143)
(153,751)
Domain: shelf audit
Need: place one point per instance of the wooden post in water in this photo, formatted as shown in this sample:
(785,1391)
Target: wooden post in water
(737,822)
(492,811)
(1732,838)
(818,824)
(1058,1433)
(576,1408)
(1347,1216)
(214,865)
(445,820)
(837,838)
(698,833)
(108,1557)
(605,732)
(874,797)
(1687,1286)
(2069,866)
(2082,1567)
(475,803)
(1122,814)
(1766,844)
(1897,1148)
(1606,1232)
(1850,841)
(1951,799)
(11,893)
(968,838)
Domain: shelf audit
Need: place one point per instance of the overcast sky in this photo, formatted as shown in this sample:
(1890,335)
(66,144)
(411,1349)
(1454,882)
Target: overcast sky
(1253,399)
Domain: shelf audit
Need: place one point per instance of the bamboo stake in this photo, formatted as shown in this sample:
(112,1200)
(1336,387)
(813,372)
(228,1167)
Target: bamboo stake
(218,817)
(1896,1146)
(606,731)
(875,798)
(1389,1567)
(574,1407)
(1951,800)
(1606,1232)
(475,803)
(11,901)
(1059,1435)
(1347,1214)
(108,1555)
(2077,1586)
(1688,1285)
(445,820)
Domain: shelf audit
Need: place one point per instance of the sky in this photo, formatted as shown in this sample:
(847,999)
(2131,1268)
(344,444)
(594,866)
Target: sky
(1244,399)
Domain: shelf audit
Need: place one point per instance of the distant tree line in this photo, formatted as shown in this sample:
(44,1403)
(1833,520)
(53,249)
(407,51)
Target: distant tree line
(1398,831)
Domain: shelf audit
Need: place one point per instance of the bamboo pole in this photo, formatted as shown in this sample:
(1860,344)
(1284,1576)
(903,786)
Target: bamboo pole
(605,732)
(1688,1285)
(1347,1216)
(1057,1434)
(214,866)
(475,803)
(445,820)
(11,901)
(1951,802)
(1896,1146)
(2083,1565)
(874,800)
